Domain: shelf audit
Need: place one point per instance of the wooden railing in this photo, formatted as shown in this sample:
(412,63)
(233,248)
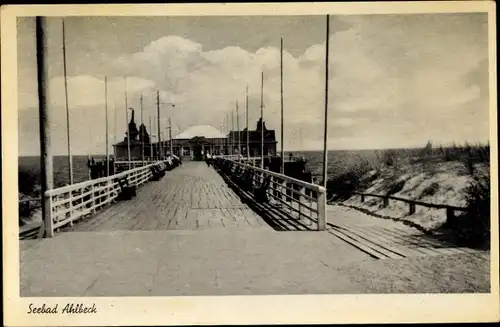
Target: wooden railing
(450,210)
(66,205)
(304,199)
(124,165)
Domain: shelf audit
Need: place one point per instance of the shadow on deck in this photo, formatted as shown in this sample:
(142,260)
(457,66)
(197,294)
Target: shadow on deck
(272,214)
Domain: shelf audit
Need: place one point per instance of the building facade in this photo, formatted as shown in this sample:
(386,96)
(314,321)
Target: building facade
(194,143)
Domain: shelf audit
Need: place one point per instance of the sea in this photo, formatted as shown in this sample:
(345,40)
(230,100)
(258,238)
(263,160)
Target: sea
(338,162)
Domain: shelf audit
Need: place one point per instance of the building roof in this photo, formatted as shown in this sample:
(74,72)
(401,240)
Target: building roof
(254,136)
(205,131)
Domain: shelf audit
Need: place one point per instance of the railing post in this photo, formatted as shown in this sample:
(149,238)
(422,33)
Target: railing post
(49,222)
(450,215)
(412,208)
(301,199)
(283,192)
(322,209)
(109,189)
(70,208)
(386,201)
(362,198)
(92,197)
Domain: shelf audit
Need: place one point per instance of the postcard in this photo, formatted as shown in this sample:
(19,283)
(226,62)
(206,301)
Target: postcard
(272,163)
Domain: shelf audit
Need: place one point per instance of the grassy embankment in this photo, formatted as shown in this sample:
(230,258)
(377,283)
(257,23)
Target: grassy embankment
(457,175)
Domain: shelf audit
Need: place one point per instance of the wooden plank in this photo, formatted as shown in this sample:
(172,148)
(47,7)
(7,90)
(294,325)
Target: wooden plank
(371,252)
(384,242)
(203,219)
(215,219)
(370,243)
(191,218)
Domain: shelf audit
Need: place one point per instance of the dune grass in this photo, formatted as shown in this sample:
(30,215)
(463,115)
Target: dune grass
(471,228)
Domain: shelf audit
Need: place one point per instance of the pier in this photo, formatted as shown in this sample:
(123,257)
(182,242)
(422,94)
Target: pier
(199,230)
(207,212)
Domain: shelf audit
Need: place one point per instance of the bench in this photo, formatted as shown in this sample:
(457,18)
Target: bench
(127,191)
(157,173)
(260,193)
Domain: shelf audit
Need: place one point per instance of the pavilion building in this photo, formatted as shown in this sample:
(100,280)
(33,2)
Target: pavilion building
(195,142)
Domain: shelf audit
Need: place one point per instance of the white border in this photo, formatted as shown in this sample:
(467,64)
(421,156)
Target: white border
(309,309)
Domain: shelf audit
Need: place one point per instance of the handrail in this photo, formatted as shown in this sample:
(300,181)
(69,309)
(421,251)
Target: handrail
(64,189)
(70,203)
(450,210)
(410,201)
(279,190)
(311,186)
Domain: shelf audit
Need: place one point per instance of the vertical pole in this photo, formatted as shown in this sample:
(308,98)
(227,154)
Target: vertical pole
(238,127)
(246,114)
(114,132)
(232,131)
(262,122)
(226,124)
(325,146)
(159,129)
(44,121)
(107,133)
(170,137)
(282,124)
(322,210)
(70,157)
(142,133)
(221,140)
(128,126)
(150,140)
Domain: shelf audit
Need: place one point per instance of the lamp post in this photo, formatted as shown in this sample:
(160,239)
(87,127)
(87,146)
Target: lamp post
(169,126)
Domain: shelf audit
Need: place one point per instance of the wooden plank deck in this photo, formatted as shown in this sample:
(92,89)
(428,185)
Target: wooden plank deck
(193,196)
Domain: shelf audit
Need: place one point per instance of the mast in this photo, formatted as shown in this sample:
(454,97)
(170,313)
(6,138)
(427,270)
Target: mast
(221,143)
(150,140)
(46,159)
(238,127)
(262,122)
(142,133)
(246,114)
(170,136)
(114,131)
(158,114)
(226,140)
(70,157)
(107,133)
(128,125)
(282,124)
(325,145)
(232,132)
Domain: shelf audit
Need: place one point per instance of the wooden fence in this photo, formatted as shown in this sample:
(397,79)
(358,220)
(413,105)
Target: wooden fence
(66,205)
(450,210)
(303,198)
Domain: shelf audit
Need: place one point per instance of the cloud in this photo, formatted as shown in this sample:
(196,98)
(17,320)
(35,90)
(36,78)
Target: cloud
(394,81)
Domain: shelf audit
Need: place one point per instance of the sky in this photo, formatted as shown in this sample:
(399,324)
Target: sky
(394,80)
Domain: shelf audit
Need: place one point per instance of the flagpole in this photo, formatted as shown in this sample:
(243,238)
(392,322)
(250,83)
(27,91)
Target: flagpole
(46,159)
(158,113)
(114,131)
(142,133)
(325,146)
(232,134)
(170,136)
(226,141)
(150,140)
(238,127)
(262,122)
(107,133)
(70,157)
(128,125)
(246,113)
(282,125)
